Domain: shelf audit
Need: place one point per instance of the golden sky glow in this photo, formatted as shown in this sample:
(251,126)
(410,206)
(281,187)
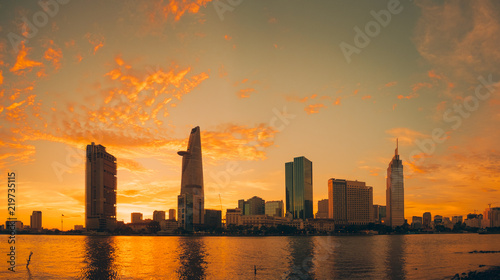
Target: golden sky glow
(266,81)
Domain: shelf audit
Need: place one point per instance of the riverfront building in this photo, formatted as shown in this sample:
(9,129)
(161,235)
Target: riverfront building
(274,208)
(191,201)
(253,206)
(36,220)
(158,215)
(100,189)
(299,188)
(350,202)
(322,209)
(395,196)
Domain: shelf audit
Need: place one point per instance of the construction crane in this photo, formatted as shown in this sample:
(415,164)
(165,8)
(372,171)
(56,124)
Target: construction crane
(489,204)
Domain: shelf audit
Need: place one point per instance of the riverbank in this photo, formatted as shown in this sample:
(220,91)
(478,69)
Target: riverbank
(483,273)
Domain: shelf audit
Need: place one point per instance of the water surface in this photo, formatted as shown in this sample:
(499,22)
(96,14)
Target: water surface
(434,256)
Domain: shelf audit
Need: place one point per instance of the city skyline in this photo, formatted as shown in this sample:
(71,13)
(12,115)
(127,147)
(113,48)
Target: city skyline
(335,82)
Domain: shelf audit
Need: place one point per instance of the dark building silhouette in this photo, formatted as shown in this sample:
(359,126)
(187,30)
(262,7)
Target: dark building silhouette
(100,189)
(158,215)
(36,220)
(395,195)
(298,188)
(213,218)
(253,206)
(191,202)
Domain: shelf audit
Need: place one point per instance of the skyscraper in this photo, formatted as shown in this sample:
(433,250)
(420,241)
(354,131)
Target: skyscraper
(350,202)
(395,195)
(100,189)
(298,188)
(191,202)
(36,220)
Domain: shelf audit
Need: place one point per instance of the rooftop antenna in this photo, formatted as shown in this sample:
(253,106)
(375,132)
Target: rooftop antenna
(397,145)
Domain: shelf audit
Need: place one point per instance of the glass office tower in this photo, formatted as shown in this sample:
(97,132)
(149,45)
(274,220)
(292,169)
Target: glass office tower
(298,188)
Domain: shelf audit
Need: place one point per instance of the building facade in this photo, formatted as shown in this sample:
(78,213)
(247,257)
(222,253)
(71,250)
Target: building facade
(491,217)
(395,196)
(253,206)
(100,189)
(213,218)
(171,214)
(350,202)
(274,208)
(322,209)
(191,201)
(36,220)
(427,220)
(136,217)
(416,222)
(299,188)
(158,215)
(233,217)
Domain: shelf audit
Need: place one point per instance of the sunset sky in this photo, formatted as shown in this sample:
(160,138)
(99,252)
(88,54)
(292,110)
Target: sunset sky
(266,81)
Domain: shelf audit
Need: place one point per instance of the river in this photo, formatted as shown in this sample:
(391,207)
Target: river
(425,256)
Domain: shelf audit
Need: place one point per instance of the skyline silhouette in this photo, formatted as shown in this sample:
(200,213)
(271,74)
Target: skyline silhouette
(266,81)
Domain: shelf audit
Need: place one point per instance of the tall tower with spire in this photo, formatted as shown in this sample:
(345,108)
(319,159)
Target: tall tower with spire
(191,201)
(395,194)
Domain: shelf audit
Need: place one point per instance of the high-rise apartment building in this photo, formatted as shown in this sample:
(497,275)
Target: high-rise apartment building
(136,217)
(491,217)
(100,189)
(191,201)
(36,220)
(426,220)
(299,188)
(350,202)
(395,195)
(158,215)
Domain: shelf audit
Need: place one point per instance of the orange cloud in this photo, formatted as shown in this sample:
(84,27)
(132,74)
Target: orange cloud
(413,95)
(366,97)
(245,93)
(237,142)
(419,86)
(337,101)
(1,77)
(405,135)
(464,50)
(314,108)
(96,40)
(390,84)
(54,55)
(23,63)
(179,7)
(227,37)
(432,74)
